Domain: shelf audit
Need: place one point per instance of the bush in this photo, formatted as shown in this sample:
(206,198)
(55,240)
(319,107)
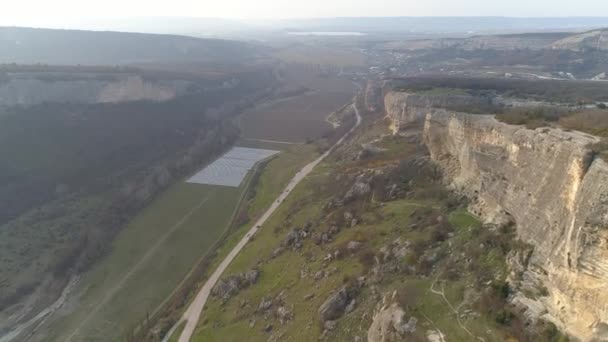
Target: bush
(589,121)
(504,317)
(408,296)
(531,117)
(367,258)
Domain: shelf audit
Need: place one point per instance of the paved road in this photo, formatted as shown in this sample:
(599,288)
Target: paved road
(192,314)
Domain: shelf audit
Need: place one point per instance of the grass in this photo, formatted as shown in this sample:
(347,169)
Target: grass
(177,332)
(141,291)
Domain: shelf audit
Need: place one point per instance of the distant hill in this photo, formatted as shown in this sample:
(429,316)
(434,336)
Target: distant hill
(591,40)
(69,47)
(451,25)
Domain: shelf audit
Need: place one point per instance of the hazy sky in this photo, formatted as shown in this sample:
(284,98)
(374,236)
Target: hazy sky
(20,11)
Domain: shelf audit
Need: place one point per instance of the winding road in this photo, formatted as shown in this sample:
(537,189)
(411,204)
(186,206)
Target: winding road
(192,314)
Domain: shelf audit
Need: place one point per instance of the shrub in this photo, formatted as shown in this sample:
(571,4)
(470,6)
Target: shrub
(504,317)
(593,121)
(408,296)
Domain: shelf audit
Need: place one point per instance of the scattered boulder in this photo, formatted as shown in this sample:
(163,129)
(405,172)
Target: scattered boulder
(435,336)
(309,296)
(226,288)
(389,325)
(352,246)
(291,238)
(348,216)
(334,306)
(333,230)
(329,325)
(284,314)
(230,286)
(265,304)
(351,306)
(276,252)
(268,328)
(251,277)
(359,189)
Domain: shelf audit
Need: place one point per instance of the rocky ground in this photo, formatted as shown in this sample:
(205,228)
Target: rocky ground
(372,247)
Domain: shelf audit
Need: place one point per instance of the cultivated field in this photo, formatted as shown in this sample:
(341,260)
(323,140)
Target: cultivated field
(315,54)
(295,119)
(148,260)
(299,118)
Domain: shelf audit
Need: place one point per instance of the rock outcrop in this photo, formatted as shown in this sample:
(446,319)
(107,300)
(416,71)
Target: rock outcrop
(550,184)
(334,307)
(27,90)
(389,325)
(230,286)
(404,108)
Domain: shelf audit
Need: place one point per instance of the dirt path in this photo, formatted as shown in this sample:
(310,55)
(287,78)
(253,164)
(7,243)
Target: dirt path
(192,314)
(462,326)
(153,249)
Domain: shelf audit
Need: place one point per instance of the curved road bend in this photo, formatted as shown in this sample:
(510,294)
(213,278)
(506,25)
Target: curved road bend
(192,314)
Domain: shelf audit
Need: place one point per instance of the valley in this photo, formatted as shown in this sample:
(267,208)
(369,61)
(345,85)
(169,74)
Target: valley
(392,185)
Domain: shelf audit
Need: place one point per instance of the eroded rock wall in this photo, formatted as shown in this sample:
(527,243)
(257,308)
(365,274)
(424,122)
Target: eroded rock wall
(403,108)
(550,184)
(27,91)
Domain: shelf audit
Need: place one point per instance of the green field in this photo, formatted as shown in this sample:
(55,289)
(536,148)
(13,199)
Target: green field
(147,261)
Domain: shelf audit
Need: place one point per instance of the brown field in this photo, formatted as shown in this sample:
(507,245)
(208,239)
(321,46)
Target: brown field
(323,55)
(296,119)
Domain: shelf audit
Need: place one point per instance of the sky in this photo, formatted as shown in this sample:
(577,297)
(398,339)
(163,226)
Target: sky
(16,12)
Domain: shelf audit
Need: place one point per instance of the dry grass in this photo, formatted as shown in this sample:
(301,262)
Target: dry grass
(593,121)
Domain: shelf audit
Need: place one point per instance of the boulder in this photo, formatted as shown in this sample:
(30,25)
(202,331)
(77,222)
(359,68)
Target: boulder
(389,325)
(329,325)
(352,246)
(350,307)
(284,314)
(359,189)
(265,304)
(334,306)
(227,288)
(251,277)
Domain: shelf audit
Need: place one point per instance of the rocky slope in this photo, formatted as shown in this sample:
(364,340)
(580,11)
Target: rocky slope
(548,183)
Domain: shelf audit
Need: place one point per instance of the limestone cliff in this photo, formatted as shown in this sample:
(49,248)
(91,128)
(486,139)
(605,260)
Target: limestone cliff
(404,108)
(548,182)
(29,90)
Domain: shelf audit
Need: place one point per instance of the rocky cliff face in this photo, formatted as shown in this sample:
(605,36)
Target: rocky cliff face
(27,90)
(404,108)
(549,184)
